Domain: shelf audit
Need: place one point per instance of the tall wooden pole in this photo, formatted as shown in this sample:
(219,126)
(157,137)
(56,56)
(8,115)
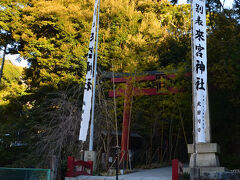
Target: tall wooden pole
(3,61)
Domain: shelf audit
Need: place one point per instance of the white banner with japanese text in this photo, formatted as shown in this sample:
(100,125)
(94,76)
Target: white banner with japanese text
(199,68)
(87,96)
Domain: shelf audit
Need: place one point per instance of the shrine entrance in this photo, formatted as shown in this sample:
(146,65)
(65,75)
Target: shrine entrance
(159,87)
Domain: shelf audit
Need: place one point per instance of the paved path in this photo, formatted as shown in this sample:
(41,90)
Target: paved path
(164,173)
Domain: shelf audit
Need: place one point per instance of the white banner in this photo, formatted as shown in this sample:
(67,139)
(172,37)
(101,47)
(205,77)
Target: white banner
(199,68)
(87,97)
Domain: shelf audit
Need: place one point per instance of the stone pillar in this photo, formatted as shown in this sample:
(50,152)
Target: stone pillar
(208,127)
(207,153)
(91,156)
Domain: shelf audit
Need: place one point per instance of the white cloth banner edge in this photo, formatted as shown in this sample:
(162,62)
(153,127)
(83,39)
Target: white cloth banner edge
(87,97)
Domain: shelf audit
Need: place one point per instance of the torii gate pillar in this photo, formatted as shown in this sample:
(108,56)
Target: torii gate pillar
(126,122)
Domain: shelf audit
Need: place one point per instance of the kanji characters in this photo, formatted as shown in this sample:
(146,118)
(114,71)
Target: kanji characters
(91,50)
(88,85)
(199,9)
(199,84)
(92,37)
(199,35)
(198,112)
(200,66)
(198,103)
(89,67)
(199,49)
(198,21)
(90,56)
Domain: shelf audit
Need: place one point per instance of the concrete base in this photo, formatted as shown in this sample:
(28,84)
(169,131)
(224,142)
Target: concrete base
(208,173)
(207,160)
(206,155)
(194,173)
(204,170)
(91,156)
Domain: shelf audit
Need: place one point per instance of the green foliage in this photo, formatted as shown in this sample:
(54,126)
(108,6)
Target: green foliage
(54,42)
(224,84)
(12,126)
(11,72)
(9,23)
(135,36)
(11,82)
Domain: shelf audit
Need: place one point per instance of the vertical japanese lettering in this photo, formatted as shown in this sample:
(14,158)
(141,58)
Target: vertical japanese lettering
(200,66)
(92,37)
(199,84)
(199,49)
(89,67)
(88,84)
(199,9)
(198,21)
(199,35)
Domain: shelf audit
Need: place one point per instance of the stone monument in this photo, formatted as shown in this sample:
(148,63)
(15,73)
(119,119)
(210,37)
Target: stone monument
(206,153)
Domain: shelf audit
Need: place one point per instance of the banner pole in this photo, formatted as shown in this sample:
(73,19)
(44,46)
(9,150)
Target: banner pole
(88,89)
(94,86)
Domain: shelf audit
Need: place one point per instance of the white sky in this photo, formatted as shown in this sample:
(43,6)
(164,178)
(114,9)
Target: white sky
(13,58)
(227,3)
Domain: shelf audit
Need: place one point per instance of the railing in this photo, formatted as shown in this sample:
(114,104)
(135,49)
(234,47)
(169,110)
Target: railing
(24,174)
(78,167)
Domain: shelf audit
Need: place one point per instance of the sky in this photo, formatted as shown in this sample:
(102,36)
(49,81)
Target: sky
(15,59)
(227,3)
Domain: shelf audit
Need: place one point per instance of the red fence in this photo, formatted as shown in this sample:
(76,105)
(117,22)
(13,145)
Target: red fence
(78,167)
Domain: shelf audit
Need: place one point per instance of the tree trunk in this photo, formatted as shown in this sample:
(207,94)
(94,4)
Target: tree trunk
(3,61)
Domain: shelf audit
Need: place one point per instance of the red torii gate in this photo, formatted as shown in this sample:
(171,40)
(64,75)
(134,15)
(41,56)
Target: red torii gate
(130,91)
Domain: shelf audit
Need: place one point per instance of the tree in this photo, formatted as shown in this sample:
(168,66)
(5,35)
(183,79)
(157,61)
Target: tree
(11,89)
(132,38)
(9,22)
(223,73)
(54,39)
(135,36)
